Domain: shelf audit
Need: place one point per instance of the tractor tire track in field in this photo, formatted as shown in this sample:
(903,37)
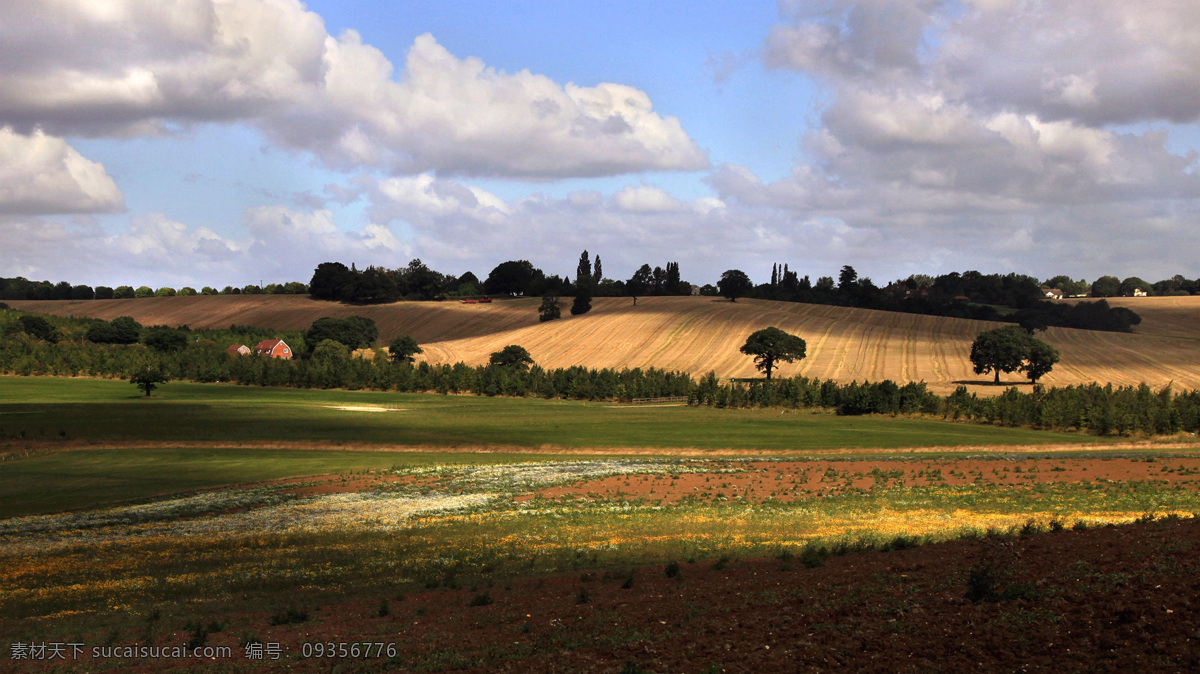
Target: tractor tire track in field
(702,334)
(807,365)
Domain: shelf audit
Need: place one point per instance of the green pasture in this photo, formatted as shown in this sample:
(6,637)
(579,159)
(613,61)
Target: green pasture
(40,411)
(89,409)
(93,478)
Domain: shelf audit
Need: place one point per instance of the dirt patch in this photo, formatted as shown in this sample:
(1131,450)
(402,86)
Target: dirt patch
(787,481)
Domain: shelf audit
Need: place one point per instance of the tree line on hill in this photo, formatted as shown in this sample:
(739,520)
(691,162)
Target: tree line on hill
(994,297)
(1012,298)
(21,288)
(201,356)
(416,281)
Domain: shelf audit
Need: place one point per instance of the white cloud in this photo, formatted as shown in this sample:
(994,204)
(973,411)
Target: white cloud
(872,39)
(138,68)
(41,174)
(290,239)
(1095,61)
(987,130)
(645,199)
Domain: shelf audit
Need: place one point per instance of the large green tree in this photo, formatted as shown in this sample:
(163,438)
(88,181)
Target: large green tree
(513,277)
(846,278)
(1131,284)
(356,332)
(1012,349)
(734,284)
(1000,350)
(639,283)
(403,349)
(582,303)
(771,346)
(329,280)
(38,328)
(1106,286)
(511,356)
(127,330)
(550,308)
(165,339)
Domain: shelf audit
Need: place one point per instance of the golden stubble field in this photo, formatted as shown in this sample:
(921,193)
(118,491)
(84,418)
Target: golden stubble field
(699,334)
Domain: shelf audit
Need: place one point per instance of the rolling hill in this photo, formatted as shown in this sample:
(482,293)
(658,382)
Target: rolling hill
(699,334)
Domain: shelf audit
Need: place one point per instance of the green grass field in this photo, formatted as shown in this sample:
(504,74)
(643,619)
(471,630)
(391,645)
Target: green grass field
(47,410)
(107,410)
(93,478)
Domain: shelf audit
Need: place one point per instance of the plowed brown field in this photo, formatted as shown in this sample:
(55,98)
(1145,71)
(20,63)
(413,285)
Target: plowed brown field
(699,334)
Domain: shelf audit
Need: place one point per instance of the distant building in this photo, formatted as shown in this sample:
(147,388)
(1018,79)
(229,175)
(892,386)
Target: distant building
(238,350)
(1138,292)
(1052,293)
(695,290)
(275,348)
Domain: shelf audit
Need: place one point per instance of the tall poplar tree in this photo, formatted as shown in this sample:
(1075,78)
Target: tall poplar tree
(583,273)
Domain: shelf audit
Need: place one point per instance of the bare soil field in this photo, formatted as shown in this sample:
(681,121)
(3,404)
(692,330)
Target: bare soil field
(792,481)
(1107,599)
(702,334)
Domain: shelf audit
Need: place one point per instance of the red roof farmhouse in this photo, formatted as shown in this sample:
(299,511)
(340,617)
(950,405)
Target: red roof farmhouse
(238,350)
(275,348)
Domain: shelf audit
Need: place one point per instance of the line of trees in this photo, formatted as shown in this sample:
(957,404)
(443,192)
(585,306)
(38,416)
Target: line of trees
(416,281)
(21,288)
(967,295)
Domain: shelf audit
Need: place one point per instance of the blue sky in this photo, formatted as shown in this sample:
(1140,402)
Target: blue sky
(216,142)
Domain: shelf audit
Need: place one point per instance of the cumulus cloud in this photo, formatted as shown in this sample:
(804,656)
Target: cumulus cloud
(124,67)
(646,199)
(41,174)
(986,131)
(1096,61)
(848,38)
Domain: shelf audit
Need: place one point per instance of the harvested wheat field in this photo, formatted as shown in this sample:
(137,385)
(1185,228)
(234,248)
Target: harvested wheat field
(1170,316)
(702,334)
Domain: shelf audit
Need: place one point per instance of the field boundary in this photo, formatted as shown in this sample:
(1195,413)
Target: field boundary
(35,448)
(654,401)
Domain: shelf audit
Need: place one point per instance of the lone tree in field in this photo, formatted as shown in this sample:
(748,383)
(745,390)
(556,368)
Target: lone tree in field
(1012,349)
(734,284)
(582,303)
(148,379)
(511,356)
(403,349)
(999,350)
(551,308)
(769,346)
